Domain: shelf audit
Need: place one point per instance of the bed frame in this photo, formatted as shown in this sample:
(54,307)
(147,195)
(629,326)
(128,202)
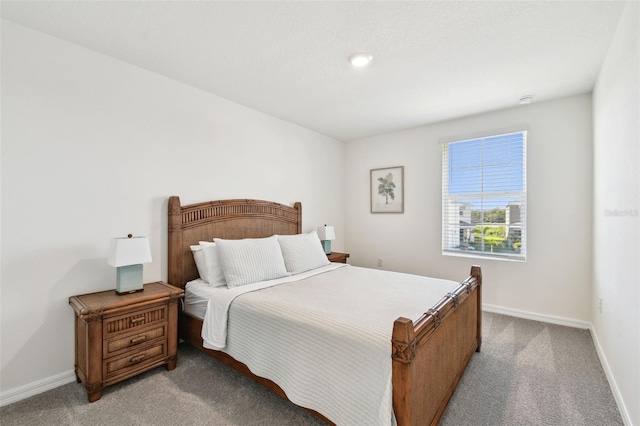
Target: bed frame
(428,355)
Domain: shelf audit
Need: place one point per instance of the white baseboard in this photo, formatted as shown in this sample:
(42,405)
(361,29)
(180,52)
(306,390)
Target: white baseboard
(569,322)
(31,389)
(626,417)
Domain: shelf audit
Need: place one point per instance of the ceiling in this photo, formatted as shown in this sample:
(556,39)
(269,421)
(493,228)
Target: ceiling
(432,60)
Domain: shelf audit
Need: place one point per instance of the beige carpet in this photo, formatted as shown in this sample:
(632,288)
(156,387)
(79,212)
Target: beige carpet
(528,373)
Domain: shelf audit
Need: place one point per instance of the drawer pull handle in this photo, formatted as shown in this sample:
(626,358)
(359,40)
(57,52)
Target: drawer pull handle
(136,359)
(138,339)
(137,320)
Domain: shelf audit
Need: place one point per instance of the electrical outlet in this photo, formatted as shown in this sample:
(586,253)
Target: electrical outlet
(379,262)
(600,305)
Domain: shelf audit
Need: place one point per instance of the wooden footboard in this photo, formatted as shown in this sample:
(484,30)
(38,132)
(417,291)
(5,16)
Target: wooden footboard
(430,355)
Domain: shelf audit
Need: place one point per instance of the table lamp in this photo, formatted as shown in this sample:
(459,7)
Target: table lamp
(326,234)
(128,254)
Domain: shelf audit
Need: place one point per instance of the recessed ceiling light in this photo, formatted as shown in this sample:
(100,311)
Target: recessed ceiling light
(526,99)
(360,59)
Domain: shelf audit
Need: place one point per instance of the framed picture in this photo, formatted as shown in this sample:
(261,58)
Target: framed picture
(387,190)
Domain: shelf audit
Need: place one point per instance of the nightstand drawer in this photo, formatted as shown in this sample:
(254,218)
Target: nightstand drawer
(134,320)
(138,338)
(134,360)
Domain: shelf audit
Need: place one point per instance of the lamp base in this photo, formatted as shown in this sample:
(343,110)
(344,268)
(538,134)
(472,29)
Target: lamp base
(326,245)
(129,279)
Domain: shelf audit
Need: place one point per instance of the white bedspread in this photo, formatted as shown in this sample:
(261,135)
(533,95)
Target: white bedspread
(214,328)
(325,339)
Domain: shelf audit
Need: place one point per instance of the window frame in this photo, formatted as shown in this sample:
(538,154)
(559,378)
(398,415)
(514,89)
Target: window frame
(448,198)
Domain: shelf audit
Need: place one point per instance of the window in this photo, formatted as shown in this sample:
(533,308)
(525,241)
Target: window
(484,196)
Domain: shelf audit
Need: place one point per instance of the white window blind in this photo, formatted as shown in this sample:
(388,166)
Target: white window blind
(484,196)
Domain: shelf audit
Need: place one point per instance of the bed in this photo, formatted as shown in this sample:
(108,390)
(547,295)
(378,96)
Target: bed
(428,353)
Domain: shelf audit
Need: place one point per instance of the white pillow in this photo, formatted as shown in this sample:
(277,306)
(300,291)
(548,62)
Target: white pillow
(250,260)
(198,257)
(213,271)
(302,252)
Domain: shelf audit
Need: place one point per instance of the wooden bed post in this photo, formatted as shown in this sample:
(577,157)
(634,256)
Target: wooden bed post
(175,253)
(298,206)
(476,272)
(404,350)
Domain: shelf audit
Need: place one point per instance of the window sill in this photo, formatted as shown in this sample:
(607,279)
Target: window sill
(480,255)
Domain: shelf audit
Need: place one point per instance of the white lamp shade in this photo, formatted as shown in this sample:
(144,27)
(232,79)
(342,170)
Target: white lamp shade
(326,233)
(129,251)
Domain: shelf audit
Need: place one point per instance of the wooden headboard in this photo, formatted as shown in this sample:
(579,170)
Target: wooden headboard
(229,219)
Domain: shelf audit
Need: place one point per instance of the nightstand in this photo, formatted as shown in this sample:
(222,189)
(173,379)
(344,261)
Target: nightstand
(120,336)
(338,257)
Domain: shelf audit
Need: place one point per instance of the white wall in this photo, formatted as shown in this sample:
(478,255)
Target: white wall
(556,279)
(616,217)
(91,149)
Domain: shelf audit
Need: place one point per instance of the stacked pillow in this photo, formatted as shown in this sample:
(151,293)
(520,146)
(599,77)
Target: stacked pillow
(238,262)
(302,252)
(209,268)
(250,260)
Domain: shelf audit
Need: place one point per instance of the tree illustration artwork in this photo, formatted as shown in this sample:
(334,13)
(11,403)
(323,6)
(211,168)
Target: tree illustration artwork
(387,187)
